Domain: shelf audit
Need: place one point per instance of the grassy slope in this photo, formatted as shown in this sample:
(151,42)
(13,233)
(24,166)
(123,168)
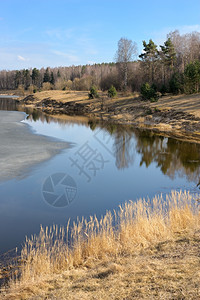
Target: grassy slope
(186,103)
(153,254)
(174,116)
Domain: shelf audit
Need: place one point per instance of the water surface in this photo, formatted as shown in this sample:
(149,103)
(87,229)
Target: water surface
(107,165)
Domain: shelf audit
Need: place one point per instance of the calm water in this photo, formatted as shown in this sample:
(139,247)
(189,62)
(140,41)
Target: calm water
(107,166)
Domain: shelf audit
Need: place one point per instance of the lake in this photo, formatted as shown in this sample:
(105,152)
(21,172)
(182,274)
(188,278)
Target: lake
(105,166)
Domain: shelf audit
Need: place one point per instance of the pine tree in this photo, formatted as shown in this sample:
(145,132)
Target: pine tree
(58,74)
(168,53)
(112,92)
(35,76)
(46,77)
(192,77)
(26,78)
(150,56)
(52,80)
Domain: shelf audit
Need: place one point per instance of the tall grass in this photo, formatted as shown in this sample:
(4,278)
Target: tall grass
(136,225)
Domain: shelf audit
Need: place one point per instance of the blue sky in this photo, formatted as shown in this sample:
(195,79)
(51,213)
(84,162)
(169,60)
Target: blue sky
(41,33)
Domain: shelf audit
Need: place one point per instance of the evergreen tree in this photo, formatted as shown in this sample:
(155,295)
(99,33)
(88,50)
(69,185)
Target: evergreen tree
(176,84)
(112,92)
(93,93)
(149,57)
(168,53)
(18,79)
(58,74)
(26,78)
(35,76)
(46,77)
(149,92)
(52,80)
(192,77)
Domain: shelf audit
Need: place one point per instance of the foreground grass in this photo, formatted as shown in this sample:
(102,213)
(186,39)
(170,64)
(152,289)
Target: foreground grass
(151,252)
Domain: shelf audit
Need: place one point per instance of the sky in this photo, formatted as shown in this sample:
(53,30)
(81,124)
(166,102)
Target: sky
(42,33)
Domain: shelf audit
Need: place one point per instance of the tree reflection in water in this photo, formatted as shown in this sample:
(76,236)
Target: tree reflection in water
(173,157)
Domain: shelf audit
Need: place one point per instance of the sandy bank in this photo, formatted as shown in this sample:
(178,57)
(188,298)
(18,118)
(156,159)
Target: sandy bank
(20,149)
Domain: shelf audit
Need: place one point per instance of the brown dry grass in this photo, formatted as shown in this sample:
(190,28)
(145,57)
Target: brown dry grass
(186,103)
(153,253)
(62,96)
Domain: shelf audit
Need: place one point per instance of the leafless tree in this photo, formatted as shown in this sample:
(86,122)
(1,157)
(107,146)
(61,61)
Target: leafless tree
(127,49)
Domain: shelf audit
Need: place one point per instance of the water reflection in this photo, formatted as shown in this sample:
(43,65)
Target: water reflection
(8,104)
(171,156)
(138,164)
(124,149)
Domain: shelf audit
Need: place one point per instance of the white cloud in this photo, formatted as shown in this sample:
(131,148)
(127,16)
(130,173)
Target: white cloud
(60,34)
(70,57)
(19,57)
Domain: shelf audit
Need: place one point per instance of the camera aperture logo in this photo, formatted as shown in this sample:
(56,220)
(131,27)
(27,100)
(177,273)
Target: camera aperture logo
(59,189)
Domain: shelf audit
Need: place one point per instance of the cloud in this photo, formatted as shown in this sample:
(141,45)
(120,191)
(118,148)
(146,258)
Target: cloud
(70,57)
(77,36)
(60,34)
(19,57)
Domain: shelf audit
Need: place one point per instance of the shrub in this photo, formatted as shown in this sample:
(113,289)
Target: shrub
(149,92)
(93,93)
(112,92)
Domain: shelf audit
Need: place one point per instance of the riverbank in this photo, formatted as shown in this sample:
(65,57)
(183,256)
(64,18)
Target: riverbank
(20,148)
(152,254)
(173,116)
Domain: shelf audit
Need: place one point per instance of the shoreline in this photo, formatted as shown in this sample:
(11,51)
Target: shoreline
(172,116)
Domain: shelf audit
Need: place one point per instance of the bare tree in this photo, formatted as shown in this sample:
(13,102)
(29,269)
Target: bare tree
(127,49)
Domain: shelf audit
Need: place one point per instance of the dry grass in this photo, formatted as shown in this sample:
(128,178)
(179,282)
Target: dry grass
(62,96)
(151,252)
(185,103)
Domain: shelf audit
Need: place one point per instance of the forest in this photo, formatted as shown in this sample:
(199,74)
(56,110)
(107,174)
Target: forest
(173,67)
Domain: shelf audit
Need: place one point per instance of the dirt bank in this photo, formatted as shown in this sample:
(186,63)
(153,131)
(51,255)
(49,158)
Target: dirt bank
(175,116)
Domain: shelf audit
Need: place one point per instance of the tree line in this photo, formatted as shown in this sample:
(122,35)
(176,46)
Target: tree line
(172,67)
